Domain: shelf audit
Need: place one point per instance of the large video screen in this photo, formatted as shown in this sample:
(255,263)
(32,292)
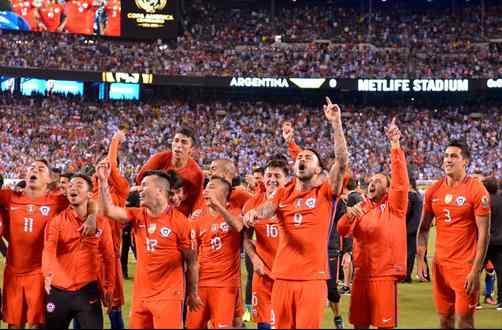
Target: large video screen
(31,86)
(138,19)
(119,91)
(7,84)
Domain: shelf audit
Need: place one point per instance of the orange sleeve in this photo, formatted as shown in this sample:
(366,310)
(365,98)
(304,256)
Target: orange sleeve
(399,183)
(119,183)
(134,214)
(156,162)
(481,200)
(113,152)
(49,253)
(294,149)
(106,249)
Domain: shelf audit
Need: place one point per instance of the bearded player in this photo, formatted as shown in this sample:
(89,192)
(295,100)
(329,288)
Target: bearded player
(303,209)
(461,206)
(378,228)
(216,235)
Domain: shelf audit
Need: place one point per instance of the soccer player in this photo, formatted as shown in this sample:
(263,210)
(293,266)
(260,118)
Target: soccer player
(28,10)
(460,205)
(378,228)
(262,251)
(51,14)
(112,22)
(303,209)
(162,236)
(70,266)
(119,191)
(179,159)
(78,17)
(27,215)
(216,235)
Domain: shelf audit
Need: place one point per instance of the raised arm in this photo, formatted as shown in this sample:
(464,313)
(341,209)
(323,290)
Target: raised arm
(337,171)
(232,220)
(109,209)
(399,183)
(289,136)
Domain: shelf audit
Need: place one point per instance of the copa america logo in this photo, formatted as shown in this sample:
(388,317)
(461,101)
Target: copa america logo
(151,6)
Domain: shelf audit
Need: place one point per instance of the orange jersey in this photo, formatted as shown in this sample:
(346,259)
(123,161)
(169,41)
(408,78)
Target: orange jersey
(25,225)
(380,234)
(51,14)
(80,16)
(304,219)
(71,257)
(267,232)
(112,10)
(27,10)
(193,179)
(159,242)
(455,210)
(219,247)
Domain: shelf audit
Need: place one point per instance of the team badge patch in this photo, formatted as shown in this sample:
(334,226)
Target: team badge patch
(485,201)
(45,210)
(164,231)
(460,200)
(224,227)
(310,202)
(51,307)
(151,228)
(448,198)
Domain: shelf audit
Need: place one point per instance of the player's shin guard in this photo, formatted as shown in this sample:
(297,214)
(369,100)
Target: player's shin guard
(116,320)
(263,326)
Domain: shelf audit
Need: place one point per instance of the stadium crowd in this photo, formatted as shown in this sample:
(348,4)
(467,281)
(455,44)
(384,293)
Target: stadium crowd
(248,132)
(323,40)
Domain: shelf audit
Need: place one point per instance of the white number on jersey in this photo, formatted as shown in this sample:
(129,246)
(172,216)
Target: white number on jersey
(216,243)
(151,244)
(447,215)
(272,231)
(28,225)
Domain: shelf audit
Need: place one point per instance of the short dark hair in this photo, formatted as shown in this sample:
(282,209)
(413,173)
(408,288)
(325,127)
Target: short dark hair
(258,169)
(321,165)
(133,199)
(84,177)
(56,170)
(279,157)
(187,131)
(491,185)
(45,162)
(225,182)
(1,180)
(465,152)
(67,175)
(279,163)
(175,181)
